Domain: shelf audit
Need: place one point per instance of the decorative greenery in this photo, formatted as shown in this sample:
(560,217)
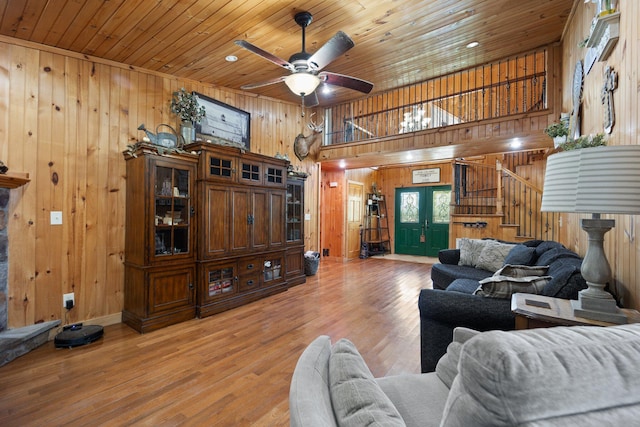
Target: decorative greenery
(556,129)
(185,105)
(584,141)
(583,42)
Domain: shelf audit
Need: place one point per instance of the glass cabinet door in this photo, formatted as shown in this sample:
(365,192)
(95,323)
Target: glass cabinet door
(172,211)
(273,269)
(219,280)
(294,212)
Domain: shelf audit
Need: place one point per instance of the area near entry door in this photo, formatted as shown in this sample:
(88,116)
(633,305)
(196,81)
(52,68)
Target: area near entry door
(422,220)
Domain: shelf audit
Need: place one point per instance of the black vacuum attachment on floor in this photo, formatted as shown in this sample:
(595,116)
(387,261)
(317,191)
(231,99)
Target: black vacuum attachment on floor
(77,334)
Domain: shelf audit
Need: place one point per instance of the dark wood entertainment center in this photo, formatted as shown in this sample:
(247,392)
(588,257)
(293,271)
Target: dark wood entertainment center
(209,228)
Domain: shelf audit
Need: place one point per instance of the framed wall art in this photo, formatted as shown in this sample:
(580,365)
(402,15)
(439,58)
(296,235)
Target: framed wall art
(223,122)
(423,176)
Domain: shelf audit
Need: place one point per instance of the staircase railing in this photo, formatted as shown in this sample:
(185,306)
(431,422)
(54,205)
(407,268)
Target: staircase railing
(480,189)
(522,203)
(474,188)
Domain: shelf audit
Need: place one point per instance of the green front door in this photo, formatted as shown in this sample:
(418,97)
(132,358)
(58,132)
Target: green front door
(422,220)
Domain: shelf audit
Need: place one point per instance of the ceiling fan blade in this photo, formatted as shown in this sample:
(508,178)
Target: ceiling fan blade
(266,55)
(346,81)
(310,100)
(336,46)
(266,83)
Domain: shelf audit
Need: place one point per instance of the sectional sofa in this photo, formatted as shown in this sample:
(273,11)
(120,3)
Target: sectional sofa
(456,301)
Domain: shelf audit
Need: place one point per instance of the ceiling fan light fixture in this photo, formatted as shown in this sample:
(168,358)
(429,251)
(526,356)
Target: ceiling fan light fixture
(302,83)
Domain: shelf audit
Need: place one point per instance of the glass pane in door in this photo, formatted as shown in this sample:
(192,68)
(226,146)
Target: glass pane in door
(409,203)
(441,206)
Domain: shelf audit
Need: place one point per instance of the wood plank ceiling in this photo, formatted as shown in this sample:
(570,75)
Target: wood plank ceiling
(397,42)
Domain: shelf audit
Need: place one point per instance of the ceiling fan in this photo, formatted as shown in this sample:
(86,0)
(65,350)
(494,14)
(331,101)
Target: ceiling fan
(306,69)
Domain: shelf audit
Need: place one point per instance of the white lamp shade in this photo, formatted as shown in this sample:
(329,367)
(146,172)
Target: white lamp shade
(302,83)
(593,180)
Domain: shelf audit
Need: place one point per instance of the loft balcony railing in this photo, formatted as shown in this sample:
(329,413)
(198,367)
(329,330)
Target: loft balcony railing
(512,86)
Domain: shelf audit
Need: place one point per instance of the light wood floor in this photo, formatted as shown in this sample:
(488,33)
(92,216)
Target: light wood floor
(231,369)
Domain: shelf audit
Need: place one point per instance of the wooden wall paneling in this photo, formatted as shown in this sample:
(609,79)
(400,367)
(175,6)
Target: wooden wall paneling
(71,162)
(94,289)
(5,100)
(622,253)
(21,151)
(116,192)
(43,180)
(75,118)
(81,211)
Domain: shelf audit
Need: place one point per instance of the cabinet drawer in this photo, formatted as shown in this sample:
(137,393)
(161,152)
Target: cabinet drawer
(249,266)
(249,282)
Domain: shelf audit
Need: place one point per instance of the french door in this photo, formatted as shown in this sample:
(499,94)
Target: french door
(422,220)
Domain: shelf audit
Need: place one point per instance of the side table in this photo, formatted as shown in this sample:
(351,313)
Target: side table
(538,311)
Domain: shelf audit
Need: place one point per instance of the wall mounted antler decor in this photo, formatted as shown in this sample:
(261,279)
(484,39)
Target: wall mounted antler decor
(302,143)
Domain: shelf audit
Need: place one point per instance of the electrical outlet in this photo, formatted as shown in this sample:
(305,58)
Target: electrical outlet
(68,297)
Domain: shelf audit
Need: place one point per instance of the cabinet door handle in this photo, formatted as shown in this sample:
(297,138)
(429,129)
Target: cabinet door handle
(250,282)
(250,219)
(250,267)
(191,286)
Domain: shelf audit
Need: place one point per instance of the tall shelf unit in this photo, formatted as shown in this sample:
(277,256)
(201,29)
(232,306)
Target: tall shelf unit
(295,230)
(160,269)
(375,232)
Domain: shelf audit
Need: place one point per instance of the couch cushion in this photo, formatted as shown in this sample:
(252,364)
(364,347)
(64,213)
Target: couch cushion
(443,274)
(521,255)
(567,279)
(449,256)
(547,245)
(505,286)
(470,250)
(493,255)
(356,397)
(420,398)
(447,367)
(465,286)
(309,399)
(522,270)
(552,255)
(545,376)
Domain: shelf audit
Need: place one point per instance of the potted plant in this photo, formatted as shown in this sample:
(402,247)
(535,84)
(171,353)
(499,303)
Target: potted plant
(558,131)
(185,105)
(584,141)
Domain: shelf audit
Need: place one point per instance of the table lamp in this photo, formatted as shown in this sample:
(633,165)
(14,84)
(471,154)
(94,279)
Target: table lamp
(599,180)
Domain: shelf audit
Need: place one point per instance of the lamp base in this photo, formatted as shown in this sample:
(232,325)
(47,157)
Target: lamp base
(603,309)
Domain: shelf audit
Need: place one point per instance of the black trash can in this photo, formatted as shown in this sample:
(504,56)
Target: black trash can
(311,262)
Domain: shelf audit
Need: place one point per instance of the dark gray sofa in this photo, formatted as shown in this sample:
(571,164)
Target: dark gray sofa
(451,303)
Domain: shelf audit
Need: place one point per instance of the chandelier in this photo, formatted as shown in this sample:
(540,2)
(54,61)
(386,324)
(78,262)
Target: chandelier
(414,120)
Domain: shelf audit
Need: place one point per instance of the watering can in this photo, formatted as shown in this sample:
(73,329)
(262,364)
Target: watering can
(164,139)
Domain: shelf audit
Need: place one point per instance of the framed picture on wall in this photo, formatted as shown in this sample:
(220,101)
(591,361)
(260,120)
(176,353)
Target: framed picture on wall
(423,176)
(222,121)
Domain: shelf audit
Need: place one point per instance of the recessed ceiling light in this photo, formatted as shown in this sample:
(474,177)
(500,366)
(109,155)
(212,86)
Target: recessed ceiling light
(516,143)
(473,44)
(231,58)
(342,164)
